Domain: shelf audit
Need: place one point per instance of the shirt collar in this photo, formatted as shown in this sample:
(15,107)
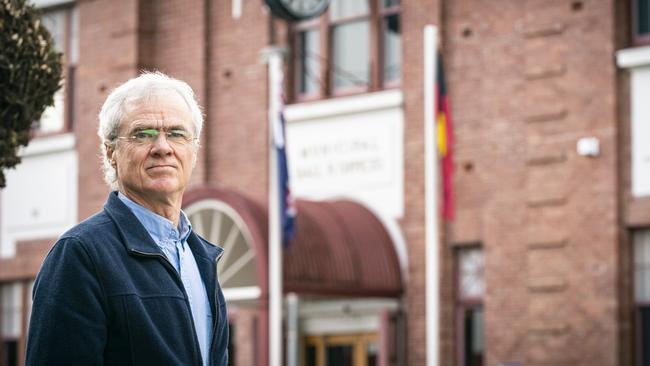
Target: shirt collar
(160,228)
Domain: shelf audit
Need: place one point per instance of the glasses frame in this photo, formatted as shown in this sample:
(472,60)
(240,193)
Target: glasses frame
(153,137)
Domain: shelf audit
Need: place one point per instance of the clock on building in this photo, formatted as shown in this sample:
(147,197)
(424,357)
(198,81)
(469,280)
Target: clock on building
(295,10)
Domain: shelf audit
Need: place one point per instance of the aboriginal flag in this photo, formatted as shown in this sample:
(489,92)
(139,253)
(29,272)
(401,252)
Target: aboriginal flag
(445,145)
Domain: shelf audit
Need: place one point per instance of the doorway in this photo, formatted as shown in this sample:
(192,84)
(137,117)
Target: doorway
(341,350)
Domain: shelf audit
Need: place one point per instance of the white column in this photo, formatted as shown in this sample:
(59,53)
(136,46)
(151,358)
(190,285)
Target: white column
(274,59)
(236,6)
(432,217)
(292,329)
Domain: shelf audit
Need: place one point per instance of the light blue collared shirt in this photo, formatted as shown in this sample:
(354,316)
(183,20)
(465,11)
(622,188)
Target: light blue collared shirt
(173,243)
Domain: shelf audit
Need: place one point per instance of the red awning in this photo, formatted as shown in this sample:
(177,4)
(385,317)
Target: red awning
(341,248)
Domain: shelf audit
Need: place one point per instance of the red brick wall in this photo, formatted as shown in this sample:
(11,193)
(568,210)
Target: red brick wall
(245,335)
(107,57)
(239,122)
(27,261)
(527,80)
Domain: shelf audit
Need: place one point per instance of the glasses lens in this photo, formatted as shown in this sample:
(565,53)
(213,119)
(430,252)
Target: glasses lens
(150,135)
(178,136)
(146,136)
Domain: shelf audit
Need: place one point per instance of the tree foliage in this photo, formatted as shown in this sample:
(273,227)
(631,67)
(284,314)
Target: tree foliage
(30,74)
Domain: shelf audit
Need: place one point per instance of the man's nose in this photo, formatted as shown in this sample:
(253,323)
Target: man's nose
(161,145)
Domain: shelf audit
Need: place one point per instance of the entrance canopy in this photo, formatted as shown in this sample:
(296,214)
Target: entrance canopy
(340,249)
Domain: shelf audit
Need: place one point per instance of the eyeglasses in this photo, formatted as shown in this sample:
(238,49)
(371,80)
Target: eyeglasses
(149,136)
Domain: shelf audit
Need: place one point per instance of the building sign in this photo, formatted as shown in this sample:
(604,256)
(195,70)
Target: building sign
(356,154)
(640,131)
(354,161)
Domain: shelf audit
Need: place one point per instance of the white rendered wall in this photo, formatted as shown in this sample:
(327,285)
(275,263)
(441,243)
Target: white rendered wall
(40,199)
(349,147)
(640,84)
(49,3)
(637,60)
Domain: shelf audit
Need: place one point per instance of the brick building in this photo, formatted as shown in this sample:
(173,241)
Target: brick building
(548,259)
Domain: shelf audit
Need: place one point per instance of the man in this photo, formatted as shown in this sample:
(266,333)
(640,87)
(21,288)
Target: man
(134,285)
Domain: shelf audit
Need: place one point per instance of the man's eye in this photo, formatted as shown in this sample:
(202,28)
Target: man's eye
(177,134)
(145,134)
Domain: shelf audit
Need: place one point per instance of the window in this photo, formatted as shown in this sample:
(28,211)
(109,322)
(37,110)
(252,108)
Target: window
(641,241)
(392,43)
(354,47)
(11,323)
(641,21)
(470,319)
(63,25)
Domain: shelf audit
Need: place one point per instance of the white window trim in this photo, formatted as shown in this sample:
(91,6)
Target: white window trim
(386,99)
(633,57)
(48,3)
(637,61)
(48,145)
(241,293)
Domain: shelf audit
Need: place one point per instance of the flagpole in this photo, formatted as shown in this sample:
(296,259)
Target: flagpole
(274,59)
(432,219)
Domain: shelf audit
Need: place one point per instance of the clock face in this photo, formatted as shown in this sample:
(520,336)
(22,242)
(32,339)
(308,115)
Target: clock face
(297,9)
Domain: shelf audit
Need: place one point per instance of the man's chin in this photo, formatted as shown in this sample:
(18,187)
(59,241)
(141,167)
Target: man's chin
(164,186)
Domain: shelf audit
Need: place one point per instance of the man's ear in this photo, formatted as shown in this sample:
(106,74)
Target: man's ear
(110,149)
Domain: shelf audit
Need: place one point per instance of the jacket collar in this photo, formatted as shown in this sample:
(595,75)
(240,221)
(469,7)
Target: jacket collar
(137,238)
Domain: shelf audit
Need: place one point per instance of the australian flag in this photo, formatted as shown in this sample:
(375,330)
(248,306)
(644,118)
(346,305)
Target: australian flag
(287,204)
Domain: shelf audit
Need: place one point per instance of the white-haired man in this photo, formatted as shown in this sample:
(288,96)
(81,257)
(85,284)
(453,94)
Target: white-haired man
(134,285)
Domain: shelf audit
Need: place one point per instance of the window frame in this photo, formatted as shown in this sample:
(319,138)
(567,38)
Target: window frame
(311,24)
(375,20)
(69,67)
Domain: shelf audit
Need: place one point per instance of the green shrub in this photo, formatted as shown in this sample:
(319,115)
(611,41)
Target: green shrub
(30,74)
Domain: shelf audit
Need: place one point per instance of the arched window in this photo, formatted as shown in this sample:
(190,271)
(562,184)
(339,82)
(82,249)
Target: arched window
(220,224)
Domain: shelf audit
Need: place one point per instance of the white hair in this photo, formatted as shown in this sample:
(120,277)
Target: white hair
(146,85)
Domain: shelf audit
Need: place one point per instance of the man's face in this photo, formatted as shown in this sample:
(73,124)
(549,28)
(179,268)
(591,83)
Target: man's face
(159,169)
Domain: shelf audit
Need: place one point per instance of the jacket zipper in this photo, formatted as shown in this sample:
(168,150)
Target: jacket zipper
(179,282)
(216,309)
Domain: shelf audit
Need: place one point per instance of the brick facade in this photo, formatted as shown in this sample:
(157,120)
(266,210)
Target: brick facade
(108,40)
(526,80)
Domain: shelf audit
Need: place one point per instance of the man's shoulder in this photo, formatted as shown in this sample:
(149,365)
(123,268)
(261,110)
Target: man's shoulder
(92,228)
(90,238)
